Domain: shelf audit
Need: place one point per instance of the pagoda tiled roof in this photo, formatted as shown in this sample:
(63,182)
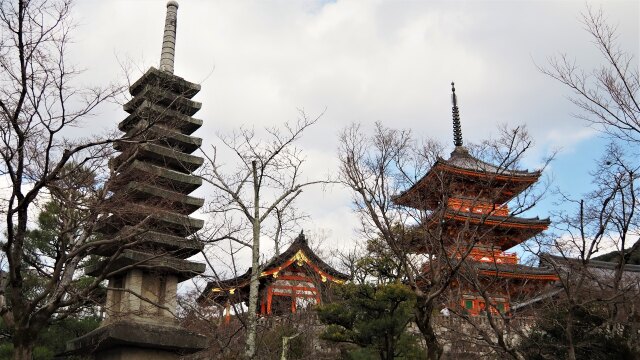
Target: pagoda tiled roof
(510,270)
(300,244)
(498,220)
(515,270)
(462,159)
(514,229)
(165,80)
(463,165)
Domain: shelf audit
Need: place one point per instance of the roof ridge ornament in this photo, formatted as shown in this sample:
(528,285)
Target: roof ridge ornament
(168,53)
(457,128)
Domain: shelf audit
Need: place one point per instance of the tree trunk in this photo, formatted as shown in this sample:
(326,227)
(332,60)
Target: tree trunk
(285,345)
(571,350)
(390,349)
(424,310)
(22,347)
(23,352)
(255,270)
(253,293)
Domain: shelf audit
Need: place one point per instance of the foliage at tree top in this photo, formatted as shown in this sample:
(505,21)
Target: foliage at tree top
(53,339)
(375,319)
(592,337)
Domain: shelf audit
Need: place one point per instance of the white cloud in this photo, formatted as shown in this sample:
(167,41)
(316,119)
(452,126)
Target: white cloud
(363,61)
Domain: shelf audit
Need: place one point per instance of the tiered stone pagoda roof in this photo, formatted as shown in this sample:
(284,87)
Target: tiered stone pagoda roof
(149,219)
(153,172)
(153,179)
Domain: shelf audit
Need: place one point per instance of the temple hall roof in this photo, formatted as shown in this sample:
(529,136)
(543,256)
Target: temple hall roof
(299,252)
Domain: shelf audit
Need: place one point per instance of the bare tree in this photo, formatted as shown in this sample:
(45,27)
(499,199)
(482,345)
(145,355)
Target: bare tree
(604,289)
(609,95)
(606,217)
(375,169)
(380,167)
(251,201)
(39,102)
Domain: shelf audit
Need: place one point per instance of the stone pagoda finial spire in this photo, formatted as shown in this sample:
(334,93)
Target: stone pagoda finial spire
(457,128)
(169,40)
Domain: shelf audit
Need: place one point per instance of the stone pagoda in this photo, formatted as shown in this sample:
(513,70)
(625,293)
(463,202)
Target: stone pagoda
(467,199)
(147,233)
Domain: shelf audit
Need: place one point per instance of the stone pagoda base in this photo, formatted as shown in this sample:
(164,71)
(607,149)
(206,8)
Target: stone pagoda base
(135,341)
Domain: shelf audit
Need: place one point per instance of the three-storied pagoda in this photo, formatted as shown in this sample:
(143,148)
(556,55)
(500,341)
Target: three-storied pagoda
(297,277)
(150,215)
(465,192)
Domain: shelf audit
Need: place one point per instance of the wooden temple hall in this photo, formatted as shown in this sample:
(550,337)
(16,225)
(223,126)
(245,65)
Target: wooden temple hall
(290,281)
(467,199)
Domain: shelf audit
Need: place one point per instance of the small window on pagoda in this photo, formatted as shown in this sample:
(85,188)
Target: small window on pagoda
(468,304)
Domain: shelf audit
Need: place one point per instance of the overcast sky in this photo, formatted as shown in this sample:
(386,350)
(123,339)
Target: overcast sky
(363,61)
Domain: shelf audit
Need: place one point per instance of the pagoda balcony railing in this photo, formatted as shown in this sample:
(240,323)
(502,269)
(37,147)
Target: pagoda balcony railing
(477,207)
(486,255)
(501,258)
(494,257)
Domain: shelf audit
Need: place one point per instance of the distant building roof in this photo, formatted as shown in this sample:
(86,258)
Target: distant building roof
(596,264)
(563,263)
